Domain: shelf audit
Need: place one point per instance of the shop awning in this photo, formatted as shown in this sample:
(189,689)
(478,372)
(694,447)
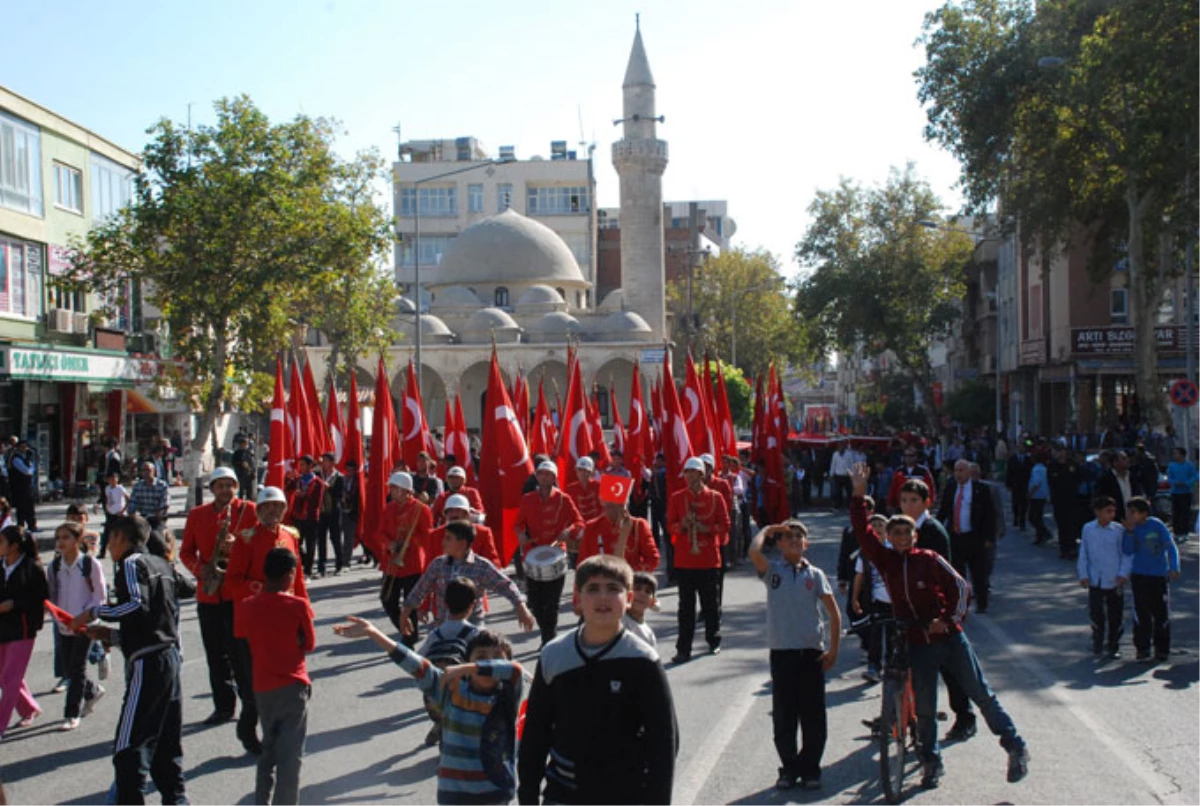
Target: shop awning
(138,403)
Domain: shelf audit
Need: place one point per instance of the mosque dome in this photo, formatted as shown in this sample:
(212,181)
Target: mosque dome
(540,299)
(553,327)
(622,326)
(508,249)
(613,301)
(456,299)
(486,322)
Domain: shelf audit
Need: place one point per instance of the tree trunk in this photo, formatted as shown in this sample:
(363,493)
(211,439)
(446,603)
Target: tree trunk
(1143,304)
(331,366)
(194,450)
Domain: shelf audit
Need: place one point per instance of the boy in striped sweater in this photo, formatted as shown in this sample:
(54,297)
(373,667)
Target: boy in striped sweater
(478,700)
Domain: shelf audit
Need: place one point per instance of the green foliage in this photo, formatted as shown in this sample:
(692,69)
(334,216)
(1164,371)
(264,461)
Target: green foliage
(745,288)
(875,276)
(738,392)
(234,227)
(972,405)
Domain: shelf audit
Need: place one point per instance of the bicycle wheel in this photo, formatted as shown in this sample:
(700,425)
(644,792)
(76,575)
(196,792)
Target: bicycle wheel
(893,744)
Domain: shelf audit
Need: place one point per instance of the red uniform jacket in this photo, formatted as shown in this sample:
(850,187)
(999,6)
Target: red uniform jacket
(711,511)
(484,545)
(245,576)
(724,488)
(587,499)
(200,538)
(398,520)
(543,521)
(306,505)
(600,536)
(439,504)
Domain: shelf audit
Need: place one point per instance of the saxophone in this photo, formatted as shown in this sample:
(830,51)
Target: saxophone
(212,574)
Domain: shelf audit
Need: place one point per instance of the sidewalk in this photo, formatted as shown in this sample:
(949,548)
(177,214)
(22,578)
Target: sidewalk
(51,513)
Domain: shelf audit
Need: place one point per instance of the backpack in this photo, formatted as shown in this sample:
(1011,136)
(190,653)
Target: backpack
(85,569)
(446,650)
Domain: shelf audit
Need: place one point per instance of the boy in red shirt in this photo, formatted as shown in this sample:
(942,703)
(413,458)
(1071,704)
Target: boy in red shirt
(279,627)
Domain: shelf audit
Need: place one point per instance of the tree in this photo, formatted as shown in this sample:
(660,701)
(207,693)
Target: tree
(1080,118)
(972,405)
(737,390)
(877,277)
(232,228)
(744,289)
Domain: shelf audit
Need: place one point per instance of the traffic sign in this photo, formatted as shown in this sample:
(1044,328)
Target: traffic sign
(1184,393)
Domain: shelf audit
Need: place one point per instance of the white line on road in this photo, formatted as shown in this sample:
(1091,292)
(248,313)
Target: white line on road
(1161,788)
(693,779)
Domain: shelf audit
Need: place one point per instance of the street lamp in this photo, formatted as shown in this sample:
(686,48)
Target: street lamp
(995,295)
(416,183)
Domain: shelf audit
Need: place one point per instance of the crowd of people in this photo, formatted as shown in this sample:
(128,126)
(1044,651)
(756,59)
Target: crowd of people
(923,523)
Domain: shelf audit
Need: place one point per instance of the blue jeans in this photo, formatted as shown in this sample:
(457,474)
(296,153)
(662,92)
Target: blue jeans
(955,656)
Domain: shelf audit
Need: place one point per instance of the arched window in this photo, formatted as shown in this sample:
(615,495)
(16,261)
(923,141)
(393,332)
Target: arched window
(501,297)
(562,294)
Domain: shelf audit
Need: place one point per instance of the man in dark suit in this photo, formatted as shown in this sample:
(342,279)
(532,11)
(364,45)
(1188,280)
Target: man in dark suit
(1016,478)
(1119,483)
(1065,477)
(969,513)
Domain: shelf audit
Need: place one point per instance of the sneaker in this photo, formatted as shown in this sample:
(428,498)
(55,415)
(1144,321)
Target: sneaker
(69,724)
(60,686)
(1114,654)
(29,720)
(871,675)
(714,650)
(434,736)
(105,667)
(931,774)
(786,780)
(961,730)
(90,705)
(1018,764)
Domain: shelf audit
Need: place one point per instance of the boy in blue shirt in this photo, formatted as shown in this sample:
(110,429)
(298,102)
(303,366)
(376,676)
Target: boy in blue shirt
(1155,559)
(1181,474)
(1103,569)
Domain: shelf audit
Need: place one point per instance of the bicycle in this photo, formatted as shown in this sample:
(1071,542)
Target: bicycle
(896,727)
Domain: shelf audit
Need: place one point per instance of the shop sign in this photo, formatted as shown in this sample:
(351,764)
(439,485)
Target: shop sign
(66,365)
(1033,352)
(1119,340)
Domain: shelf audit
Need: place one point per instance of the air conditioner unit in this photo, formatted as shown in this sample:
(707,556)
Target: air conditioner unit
(80,322)
(59,321)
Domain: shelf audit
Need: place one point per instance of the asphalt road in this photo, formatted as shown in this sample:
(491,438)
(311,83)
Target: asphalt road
(1119,732)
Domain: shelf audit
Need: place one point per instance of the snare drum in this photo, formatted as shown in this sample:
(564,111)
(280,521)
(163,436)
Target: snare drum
(545,563)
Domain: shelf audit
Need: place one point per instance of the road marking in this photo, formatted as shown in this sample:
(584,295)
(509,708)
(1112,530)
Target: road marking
(1160,786)
(693,779)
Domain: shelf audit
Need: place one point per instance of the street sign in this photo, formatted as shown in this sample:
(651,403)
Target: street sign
(1183,393)
(652,356)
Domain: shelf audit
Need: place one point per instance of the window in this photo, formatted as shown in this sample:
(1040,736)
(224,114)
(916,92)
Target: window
(20,278)
(556,200)
(68,188)
(112,187)
(432,249)
(1035,310)
(503,196)
(562,294)
(474,198)
(1118,308)
(66,299)
(602,406)
(20,166)
(434,201)
(501,297)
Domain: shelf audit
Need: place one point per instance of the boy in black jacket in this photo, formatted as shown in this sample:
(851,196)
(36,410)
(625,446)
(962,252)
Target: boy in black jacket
(600,706)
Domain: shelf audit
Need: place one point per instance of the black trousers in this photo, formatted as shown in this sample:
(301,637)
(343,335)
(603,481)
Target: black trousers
(841,489)
(1066,515)
(228,660)
(330,532)
(798,698)
(1106,608)
(970,555)
(1037,519)
(148,732)
(1181,513)
(74,652)
(1020,506)
(705,582)
(22,502)
(310,537)
(392,596)
(1151,614)
(543,599)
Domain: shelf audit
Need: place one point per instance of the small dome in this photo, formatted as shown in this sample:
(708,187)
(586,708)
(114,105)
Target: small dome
(623,326)
(552,327)
(455,296)
(509,249)
(482,324)
(432,326)
(540,299)
(405,306)
(613,301)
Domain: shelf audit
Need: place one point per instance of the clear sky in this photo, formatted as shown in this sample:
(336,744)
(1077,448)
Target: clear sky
(765,102)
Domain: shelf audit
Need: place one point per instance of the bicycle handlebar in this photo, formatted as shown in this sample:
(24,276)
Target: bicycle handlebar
(874,620)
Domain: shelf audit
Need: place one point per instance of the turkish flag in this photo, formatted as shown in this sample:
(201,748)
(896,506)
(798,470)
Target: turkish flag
(504,463)
(695,414)
(619,436)
(299,423)
(449,448)
(615,489)
(776,497)
(462,440)
(416,427)
(676,445)
(756,425)
(278,450)
(542,436)
(639,449)
(320,431)
(520,400)
(336,428)
(599,445)
(383,441)
(575,439)
(726,434)
(353,452)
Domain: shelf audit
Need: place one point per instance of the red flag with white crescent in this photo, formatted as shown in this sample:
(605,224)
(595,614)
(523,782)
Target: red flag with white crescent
(415,433)
(615,489)
(460,428)
(337,429)
(278,451)
(504,462)
(599,444)
(640,443)
(299,423)
(575,438)
(676,445)
(728,436)
(541,437)
(383,430)
(353,450)
(695,412)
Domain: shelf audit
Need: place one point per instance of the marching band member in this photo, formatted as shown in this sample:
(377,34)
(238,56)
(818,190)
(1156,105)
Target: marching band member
(699,525)
(584,489)
(548,517)
(456,484)
(401,545)
(616,531)
(246,577)
(228,675)
(459,508)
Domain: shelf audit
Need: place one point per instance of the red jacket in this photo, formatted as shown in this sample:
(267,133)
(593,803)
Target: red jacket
(545,520)
(399,520)
(245,577)
(200,538)
(711,511)
(306,505)
(279,627)
(724,488)
(922,584)
(439,505)
(600,537)
(587,500)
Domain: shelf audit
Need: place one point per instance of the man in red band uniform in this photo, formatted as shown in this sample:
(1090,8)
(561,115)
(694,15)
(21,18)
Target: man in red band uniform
(715,482)
(460,509)
(616,531)
(548,517)
(456,484)
(585,489)
(307,491)
(228,673)
(699,524)
(245,577)
(402,546)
